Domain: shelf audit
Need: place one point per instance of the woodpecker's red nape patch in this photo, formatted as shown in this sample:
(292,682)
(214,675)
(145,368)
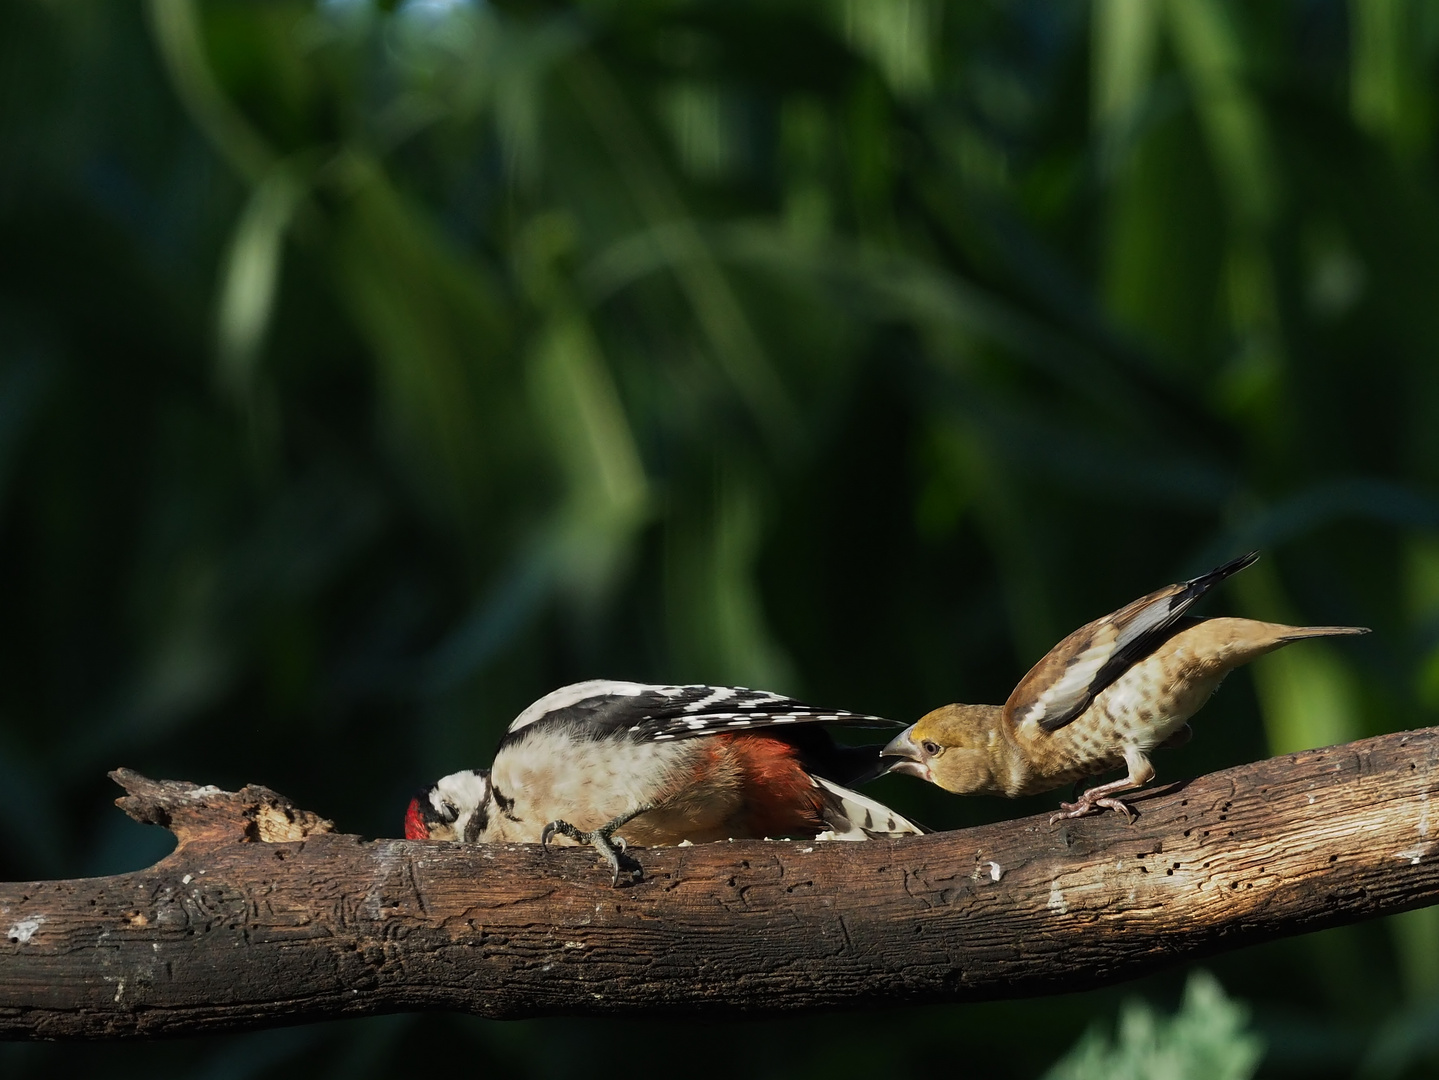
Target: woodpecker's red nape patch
(415,827)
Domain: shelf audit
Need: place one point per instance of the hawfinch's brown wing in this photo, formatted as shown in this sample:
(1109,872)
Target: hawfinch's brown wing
(1063,683)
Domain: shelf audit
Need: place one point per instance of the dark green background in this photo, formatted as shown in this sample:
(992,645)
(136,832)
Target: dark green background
(367,372)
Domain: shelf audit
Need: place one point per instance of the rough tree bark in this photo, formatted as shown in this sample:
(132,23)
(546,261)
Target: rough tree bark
(263,916)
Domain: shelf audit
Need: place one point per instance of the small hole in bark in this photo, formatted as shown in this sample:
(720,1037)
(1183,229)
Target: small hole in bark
(1169,873)
(1334,858)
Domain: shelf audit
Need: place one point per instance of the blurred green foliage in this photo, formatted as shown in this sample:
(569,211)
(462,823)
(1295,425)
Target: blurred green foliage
(1205,1040)
(367,370)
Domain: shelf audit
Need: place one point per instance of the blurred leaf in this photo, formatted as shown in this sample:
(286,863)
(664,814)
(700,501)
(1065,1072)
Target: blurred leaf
(1421,592)
(1205,39)
(897,36)
(1386,94)
(1416,945)
(191,661)
(250,276)
(493,624)
(717,311)
(1207,1039)
(1307,509)
(702,128)
(435,326)
(607,498)
(176,26)
(714,612)
(1125,36)
(1407,1039)
(938,302)
(1307,692)
(999,507)
(1309,698)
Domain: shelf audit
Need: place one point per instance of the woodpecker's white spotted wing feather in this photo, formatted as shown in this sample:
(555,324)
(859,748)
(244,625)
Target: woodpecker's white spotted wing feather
(852,816)
(575,696)
(1064,683)
(601,708)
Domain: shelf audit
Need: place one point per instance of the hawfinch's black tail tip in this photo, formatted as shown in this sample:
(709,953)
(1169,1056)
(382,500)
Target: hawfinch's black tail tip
(1219,573)
(1233,566)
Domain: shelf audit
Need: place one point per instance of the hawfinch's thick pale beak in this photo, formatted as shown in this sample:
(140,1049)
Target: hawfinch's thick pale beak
(912,760)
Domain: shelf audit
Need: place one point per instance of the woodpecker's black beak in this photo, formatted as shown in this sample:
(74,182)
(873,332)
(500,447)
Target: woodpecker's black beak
(910,756)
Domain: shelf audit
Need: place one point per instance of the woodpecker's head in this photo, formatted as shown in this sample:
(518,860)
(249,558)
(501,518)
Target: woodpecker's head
(954,747)
(455,807)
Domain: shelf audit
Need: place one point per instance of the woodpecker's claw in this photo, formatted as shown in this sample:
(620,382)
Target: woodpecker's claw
(612,848)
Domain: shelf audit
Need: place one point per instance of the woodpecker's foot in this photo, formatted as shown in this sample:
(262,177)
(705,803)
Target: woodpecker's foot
(611,847)
(1085,805)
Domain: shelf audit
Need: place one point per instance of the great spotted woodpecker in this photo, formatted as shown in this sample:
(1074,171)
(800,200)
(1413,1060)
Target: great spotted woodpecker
(666,763)
(1101,699)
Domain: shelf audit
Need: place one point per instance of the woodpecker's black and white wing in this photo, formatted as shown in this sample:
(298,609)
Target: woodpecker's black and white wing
(603,708)
(849,815)
(1060,687)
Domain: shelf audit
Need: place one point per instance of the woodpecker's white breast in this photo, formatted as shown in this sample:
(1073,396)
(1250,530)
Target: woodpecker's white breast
(551,775)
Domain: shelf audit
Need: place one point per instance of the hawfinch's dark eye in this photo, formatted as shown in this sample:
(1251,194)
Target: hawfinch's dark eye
(930,747)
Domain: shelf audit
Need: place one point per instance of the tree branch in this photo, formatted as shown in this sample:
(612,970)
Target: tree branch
(263,916)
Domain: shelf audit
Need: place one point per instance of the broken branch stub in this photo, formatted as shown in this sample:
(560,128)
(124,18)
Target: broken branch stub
(196,813)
